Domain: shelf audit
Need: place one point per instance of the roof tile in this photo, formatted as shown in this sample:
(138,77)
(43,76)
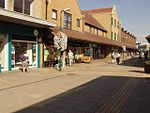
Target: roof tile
(89,19)
(100,10)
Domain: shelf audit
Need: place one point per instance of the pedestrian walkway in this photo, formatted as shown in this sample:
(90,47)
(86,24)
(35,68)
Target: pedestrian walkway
(99,87)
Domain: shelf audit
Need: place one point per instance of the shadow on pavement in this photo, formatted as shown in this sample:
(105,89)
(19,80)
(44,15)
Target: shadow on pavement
(89,97)
(134,62)
(137,71)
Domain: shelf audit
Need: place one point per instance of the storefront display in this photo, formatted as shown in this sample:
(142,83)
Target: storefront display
(22,51)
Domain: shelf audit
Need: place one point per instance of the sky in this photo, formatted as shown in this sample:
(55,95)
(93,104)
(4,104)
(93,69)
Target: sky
(134,14)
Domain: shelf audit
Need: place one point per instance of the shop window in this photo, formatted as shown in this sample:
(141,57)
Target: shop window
(67,20)
(78,22)
(2,3)
(22,6)
(23,51)
(54,14)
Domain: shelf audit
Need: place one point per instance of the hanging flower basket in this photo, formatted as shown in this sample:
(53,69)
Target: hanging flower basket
(60,41)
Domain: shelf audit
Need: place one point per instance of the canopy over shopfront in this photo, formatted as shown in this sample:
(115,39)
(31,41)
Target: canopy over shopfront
(23,19)
(85,36)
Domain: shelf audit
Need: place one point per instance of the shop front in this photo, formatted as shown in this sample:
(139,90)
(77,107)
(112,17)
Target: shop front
(18,43)
(21,37)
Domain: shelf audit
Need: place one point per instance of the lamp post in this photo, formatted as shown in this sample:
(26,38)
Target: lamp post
(67,9)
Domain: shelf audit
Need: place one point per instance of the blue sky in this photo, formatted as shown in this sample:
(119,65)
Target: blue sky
(134,14)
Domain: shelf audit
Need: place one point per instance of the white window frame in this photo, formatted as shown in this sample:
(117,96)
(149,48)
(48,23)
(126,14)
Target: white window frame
(54,14)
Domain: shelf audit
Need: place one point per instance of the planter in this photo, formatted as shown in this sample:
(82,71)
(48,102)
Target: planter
(147,68)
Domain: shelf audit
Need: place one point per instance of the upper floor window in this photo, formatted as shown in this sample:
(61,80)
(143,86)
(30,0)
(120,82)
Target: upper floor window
(93,31)
(115,23)
(67,20)
(90,29)
(111,35)
(22,6)
(118,36)
(118,25)
(2,3)
(97,32)
(111,20)
(78,22)
(115,38)
(54,14)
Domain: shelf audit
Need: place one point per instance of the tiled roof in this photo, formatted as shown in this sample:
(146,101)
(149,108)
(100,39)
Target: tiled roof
(148,38)
(85,36)
(100,10)
(92,21)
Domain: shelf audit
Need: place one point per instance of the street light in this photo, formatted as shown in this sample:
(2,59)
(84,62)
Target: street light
(67,9)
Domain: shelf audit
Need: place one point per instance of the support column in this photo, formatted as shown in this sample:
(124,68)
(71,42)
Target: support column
(8,47)
(41,53)
(37,52)
(63,59)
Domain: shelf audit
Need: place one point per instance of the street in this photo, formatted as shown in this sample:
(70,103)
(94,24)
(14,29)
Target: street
(99,87)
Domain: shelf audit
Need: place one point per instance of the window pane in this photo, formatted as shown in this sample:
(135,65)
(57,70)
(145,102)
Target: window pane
(111,21)
(67,20)
(2,3)
(54,14)
(18,4)
(27,7)
(21,7)
(78,22)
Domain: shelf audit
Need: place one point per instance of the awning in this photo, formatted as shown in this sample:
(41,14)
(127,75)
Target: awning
(90,37)
(23,19)
(131,47)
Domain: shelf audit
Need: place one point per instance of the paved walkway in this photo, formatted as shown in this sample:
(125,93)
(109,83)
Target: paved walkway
(100,87)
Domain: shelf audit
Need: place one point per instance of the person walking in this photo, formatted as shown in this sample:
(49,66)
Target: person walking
(25,65)
(70,57)
(118,58)
(114,56)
